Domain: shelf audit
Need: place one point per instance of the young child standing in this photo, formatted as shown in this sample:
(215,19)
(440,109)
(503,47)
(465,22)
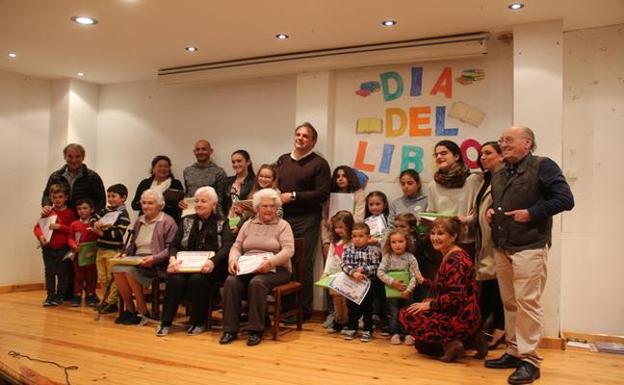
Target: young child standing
(409,224)
(396,257)
(80,233)
(360,261)
(343,180)
(376,217)
(342,225)
(56,267)
(413,201)
(111,240)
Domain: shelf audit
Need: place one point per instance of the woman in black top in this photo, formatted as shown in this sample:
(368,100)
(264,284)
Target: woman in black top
(161,179)
(203,231)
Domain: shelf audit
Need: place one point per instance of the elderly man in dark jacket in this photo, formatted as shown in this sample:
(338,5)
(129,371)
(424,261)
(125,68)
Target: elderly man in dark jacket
(526,195)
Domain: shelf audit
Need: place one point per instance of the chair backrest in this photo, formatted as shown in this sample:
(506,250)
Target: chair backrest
(297,260)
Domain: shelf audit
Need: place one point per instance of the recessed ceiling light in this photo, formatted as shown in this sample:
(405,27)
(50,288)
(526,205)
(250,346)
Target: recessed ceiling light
(84,20)
(12,55)
(515,6)
(281,36)
(191,49)
(81,74)
(388,23)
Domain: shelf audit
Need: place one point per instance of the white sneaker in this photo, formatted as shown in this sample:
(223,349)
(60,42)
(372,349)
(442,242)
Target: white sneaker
(366,337)
(162,331)
(409,340)
(395,340)
(349,334)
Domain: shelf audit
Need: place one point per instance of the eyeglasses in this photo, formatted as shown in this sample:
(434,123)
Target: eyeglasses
(509,140)
(441,153)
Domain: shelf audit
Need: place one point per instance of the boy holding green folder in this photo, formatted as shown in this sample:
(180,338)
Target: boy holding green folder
(398,270)
(82,242)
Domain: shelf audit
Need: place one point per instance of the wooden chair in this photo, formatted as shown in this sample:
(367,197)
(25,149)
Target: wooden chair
(153,295)
(294,286)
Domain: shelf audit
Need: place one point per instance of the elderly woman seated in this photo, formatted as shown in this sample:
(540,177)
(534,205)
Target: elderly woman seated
(202,231)
(449,321)
(265,233)
(153,232)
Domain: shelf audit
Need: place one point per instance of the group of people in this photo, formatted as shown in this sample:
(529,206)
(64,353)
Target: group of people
(468,247)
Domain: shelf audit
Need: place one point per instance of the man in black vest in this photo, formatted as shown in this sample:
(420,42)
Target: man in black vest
(526,195)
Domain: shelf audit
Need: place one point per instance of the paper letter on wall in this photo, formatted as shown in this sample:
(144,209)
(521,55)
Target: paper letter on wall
(416,120)
(440,130)
(398,80)
(393,114)
(359,158)
(444,83)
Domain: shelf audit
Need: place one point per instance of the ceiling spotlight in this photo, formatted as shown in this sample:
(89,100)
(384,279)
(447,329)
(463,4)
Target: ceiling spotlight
(84,20)
(12,55)
(281,36)
(191,49)
(80,74)
(515,6)
(388,23)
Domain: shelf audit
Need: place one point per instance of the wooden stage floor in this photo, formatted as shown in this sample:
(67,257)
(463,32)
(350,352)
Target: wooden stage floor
(106,353)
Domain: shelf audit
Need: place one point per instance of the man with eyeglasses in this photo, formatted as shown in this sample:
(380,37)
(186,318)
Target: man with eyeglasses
(526,195)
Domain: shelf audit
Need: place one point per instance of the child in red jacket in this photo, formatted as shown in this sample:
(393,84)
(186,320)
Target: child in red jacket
(53,237)
(82,242)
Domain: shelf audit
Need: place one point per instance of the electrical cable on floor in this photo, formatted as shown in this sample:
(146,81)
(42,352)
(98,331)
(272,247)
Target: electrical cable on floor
(17,355)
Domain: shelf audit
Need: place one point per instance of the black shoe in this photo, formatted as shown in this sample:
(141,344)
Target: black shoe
(505,361)
(49,301)
(123,317)
(109,308)
(92,300)
(227,338)
(525,373)
(132,319)
(254,338)
(76,300)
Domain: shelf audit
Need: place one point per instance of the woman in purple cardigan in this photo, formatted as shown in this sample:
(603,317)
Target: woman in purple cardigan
(153,233)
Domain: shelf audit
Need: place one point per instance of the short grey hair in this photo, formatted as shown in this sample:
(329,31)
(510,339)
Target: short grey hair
(264,194)
(157,195)
(531,135)
(209,192)
(74,146)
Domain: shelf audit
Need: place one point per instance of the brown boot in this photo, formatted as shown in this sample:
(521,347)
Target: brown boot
(477,342)
(452,351)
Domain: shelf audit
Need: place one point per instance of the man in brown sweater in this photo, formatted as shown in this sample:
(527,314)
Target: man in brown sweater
(304,180)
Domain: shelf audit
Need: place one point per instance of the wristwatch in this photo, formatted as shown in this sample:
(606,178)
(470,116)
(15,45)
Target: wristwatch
(293,195)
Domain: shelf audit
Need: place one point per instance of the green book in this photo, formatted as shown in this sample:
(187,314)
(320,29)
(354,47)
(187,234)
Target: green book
(398,275)
(324,282)
(86,253)
(233,222)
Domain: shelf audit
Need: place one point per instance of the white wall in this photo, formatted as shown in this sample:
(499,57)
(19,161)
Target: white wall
(24,124)
(537,89)
(592,264)
(137,121)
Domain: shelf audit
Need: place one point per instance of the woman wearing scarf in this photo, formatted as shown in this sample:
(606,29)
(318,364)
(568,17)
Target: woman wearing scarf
(161,180)
(453,189)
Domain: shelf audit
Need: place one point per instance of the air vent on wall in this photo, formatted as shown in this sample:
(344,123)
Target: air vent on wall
(417,50)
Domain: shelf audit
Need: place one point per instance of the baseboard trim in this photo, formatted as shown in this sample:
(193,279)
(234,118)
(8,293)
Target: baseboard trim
(22,287)
(553,343)
(590,337)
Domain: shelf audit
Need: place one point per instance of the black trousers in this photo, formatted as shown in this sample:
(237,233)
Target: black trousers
(490,303)
(254,288)
(195,286)
(306,226)
(365,310)
(57,272)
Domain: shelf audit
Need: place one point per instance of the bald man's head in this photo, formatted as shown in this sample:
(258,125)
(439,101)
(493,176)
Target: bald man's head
(202,151)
